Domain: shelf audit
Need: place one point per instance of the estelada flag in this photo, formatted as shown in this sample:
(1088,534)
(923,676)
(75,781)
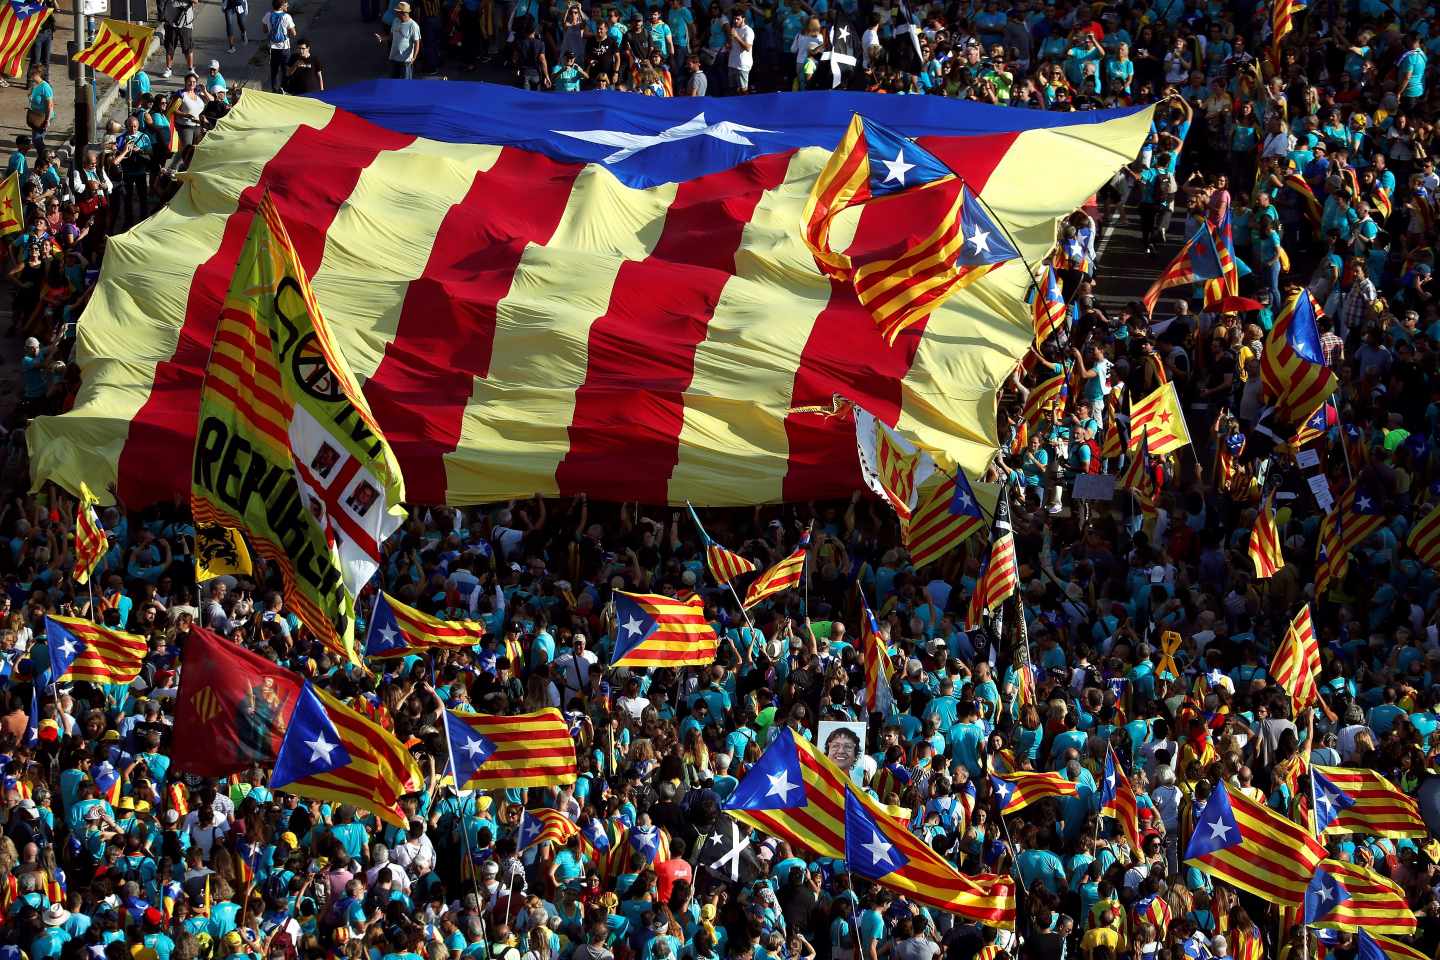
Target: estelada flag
(532,240)
(1159,416)
(12,217)
(118,50)
(232,708)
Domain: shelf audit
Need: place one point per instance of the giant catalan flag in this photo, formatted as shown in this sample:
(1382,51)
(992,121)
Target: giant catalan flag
(796,793)
(286,448)
(333,754)
(1252,847)
(524,750)
(488,269)
(82,650)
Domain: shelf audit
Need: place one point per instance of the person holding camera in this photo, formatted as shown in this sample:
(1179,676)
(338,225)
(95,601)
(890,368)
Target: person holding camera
(305,74)
(179,32)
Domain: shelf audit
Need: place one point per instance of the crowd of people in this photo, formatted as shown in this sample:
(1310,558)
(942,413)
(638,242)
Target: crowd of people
(172,866)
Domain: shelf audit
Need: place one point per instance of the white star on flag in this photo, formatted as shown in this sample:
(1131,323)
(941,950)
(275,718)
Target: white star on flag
(964,500)
(1220,830)
(388,635)
(897,168)
(1110,781)
(780,785)
(1003,791)
(633,143)
(1323,894)
(844,33)
(979,241)
(320,749)
(1362,503)
(878,848)
(632,626)
(473,748)
(68,647)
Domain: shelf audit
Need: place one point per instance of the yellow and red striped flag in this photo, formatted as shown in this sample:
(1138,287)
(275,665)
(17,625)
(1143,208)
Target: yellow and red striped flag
(894,470)
(177,798)
(1048,309)
(91,540)
(946,514)
(12,217)
(544,826)
(118,50)
(397,629)
(878,669)
(333,754)
(782,576)
(1346,896)
(1293,372)
(1264,547)
(1041,398)
(1424,539)
(796,793)
(724,565)
(1354,517)
(1113,446)
(84,651)
(1296,663)
(997,580)
(1295,181)
(1282,16)
(1117,799)
(172,142)
(1366,802)
(1016,790)
(1380,200)
(653,630)
(524,750)
(1159,417)
(20,23)
(1250,846)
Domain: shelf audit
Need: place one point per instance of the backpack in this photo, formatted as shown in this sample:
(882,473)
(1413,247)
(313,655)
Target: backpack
(278,33)
(1093,464)
(281,942)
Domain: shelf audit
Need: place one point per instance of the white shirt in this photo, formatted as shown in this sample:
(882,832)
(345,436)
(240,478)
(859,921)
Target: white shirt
(1278,144)
(870,38)
(742,58)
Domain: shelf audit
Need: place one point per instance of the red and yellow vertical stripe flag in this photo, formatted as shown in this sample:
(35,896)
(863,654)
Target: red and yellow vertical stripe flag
(12,206)
(118,50)
(781,577)
(1296,663)
(1016,790)
(997,581)
(1041,398)
(1282,17)
(1424,539)
(1293,372)
(1117,799)
(84,651)
(796,793)
(1297,182)
(653,630)
(172,144)
(724,565)
(333,754)
(20,23)
(1250,846)
(1264,547)
(895,470)
(1048,309)
(91,541)
(524,750)
(1113,445)
(1363,801)
(1159,417)
(946,514)
(397,629)
(1346,896)
(879,698)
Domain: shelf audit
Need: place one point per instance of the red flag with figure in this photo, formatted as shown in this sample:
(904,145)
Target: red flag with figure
(232,708)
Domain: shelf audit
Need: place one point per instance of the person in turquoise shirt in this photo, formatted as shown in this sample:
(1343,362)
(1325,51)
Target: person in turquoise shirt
(351,833)
(1410,72)
(568,75)
(53,938)
(1119,70)
(1036,862)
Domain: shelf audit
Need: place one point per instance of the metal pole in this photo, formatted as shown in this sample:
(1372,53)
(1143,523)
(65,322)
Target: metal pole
(84,112)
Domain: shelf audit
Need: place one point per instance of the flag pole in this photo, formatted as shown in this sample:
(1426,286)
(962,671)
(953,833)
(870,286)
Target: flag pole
(706,537)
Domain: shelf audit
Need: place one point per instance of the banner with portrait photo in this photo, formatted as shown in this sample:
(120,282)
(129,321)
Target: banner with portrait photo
(843,742)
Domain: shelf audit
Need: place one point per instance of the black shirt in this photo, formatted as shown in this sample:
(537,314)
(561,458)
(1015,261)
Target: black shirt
(306,78)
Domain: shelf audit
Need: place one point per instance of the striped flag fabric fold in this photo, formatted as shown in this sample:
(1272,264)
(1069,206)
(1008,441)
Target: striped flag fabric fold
(1369,803)
(1295,665)
(91,540)
(1293,372)
(1016,790)
(84,651)
(544,826)
(653,630)
(796,793)
(1264,547)
(1117,799)
(1356,514)
(524,750)
(998,580)
(782,576)
(20,24)
(1160,418)
(946,514)
(1424,539)
(1198,260)
(1250,846)
(332,753)
(118,50)
(724,565)
(1346,896)
(1041,398)
(879,698)
(1048,308)
(1295,181)
(397,629)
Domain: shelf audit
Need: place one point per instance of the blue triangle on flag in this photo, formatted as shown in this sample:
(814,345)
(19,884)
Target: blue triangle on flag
(1323,894)
(775,782)
(312,744)
(897,163)
(384,635)
(1215,827)
(985,243)
(468,747)
(869,850)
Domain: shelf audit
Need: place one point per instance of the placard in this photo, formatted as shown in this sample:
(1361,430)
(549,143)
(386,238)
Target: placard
(1307,458)
(1093,486)
(1320,487)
